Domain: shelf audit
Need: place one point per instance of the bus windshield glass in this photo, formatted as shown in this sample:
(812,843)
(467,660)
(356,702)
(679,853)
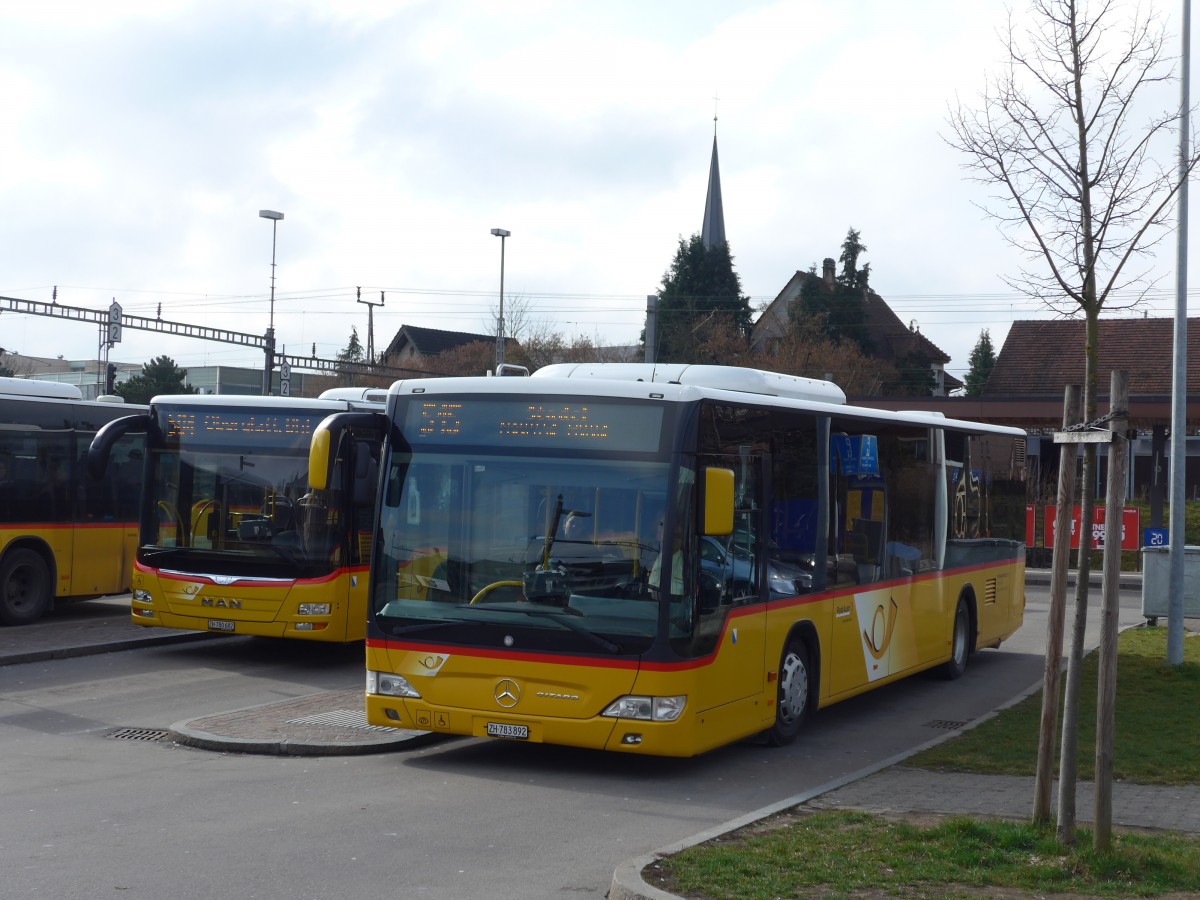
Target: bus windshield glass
(230,486)
(554,550)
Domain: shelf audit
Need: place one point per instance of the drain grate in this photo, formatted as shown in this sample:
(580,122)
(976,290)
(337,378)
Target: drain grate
(946,724)
(139,734)
(342,718)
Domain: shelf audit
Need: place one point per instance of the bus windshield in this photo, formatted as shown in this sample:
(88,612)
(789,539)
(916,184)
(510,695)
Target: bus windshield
(230,487)
(558,550)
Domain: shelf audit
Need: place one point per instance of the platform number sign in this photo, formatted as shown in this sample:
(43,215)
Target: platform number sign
(114,323)
(1154,537)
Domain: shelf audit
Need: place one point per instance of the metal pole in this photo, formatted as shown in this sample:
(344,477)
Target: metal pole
(370,324)
(501,233)
(651,327)
(500,329)
(1178,472)
(269,364)
(269,342)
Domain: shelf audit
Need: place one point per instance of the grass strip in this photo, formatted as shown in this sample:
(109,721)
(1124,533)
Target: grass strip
(1157,737)
(851,854)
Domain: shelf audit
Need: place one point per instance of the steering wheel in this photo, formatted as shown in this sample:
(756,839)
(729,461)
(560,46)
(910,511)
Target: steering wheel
(275,502)
(483,592)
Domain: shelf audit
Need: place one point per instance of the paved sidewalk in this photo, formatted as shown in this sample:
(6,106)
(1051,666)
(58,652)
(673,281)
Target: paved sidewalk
(908,790)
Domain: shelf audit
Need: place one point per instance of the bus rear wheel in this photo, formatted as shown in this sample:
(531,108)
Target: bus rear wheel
(24,588)
(791,706)
(960,643)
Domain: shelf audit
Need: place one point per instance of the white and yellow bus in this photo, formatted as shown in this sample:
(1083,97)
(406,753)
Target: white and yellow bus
(232,538)
(743,548)
(63,535)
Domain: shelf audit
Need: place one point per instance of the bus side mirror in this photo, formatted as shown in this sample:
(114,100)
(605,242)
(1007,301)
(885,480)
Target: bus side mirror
(718,501)
(318,459)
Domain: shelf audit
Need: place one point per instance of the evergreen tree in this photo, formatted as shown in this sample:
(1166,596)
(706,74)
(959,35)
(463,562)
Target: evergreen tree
(914,376)
(700,292)
(353,351)
(159,376)
(838,309)
(982,360)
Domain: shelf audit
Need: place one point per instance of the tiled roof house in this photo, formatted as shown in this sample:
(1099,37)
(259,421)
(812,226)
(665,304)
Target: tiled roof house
(413,345)
(891,338)
(1043,357)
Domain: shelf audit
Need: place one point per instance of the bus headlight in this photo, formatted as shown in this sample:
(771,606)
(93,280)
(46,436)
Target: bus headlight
(142,596)
(314,609)
(388,685)
(649,709)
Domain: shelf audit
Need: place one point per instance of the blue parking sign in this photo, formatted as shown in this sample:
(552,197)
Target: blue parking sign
(1154,537)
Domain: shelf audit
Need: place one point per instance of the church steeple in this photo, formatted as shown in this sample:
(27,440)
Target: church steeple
(712,233)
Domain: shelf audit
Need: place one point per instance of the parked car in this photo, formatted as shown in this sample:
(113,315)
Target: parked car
(733,568)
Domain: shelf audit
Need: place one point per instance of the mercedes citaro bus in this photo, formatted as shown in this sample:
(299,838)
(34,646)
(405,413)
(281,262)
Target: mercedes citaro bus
(744,548)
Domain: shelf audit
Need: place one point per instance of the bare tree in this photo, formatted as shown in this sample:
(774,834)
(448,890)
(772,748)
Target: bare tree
(1081,159)
(518,317)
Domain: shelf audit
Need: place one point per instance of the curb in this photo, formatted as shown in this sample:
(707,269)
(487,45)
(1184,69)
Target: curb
(181,733)
(112,646)
(375,740)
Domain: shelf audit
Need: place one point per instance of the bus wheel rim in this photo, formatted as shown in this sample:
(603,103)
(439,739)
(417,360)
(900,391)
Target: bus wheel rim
(794,687)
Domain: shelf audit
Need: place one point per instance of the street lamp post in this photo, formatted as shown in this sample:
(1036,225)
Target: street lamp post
(502,234)
(269,350)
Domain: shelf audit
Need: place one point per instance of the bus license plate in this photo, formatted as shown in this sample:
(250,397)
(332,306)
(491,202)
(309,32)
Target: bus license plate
(220,625)
(502,730)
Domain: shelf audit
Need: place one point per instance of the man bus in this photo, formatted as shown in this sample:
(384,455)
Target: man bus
(817,550)
(232,538)
(63,535)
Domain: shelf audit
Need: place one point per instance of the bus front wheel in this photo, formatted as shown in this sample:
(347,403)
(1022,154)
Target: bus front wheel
(791,707)
(24,588)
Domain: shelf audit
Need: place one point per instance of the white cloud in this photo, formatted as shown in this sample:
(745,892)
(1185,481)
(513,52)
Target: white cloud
(144,137)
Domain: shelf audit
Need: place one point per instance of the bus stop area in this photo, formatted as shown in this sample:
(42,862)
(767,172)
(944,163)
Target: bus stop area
(333,723)
(322,724)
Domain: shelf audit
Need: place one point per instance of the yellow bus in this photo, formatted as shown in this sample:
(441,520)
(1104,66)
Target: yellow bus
(744,547)
(63,534)
(232,537)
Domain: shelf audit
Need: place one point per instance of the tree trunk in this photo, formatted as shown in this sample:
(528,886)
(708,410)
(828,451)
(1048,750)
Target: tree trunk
(1106,686)
(1068,770)
(1058,607)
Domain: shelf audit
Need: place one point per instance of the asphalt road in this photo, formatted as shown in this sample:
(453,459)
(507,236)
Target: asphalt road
(92,808)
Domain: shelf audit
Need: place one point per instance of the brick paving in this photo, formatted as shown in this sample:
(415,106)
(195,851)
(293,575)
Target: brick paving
(903,789)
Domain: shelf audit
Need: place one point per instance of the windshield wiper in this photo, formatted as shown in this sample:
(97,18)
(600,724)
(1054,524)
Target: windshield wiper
(152,552)
(571,624)
(568,622)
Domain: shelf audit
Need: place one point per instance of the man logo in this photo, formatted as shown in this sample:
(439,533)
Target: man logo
(507,694)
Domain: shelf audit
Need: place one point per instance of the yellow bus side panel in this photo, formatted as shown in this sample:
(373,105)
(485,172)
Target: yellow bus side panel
(89,560)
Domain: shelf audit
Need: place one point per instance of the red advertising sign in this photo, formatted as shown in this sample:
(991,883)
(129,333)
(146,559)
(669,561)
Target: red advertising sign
(1130,527)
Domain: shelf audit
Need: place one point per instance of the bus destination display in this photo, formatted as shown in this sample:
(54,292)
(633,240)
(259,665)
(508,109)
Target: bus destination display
(228,426)
(541,423)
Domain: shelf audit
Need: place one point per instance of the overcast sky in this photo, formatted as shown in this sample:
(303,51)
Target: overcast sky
(140,139)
